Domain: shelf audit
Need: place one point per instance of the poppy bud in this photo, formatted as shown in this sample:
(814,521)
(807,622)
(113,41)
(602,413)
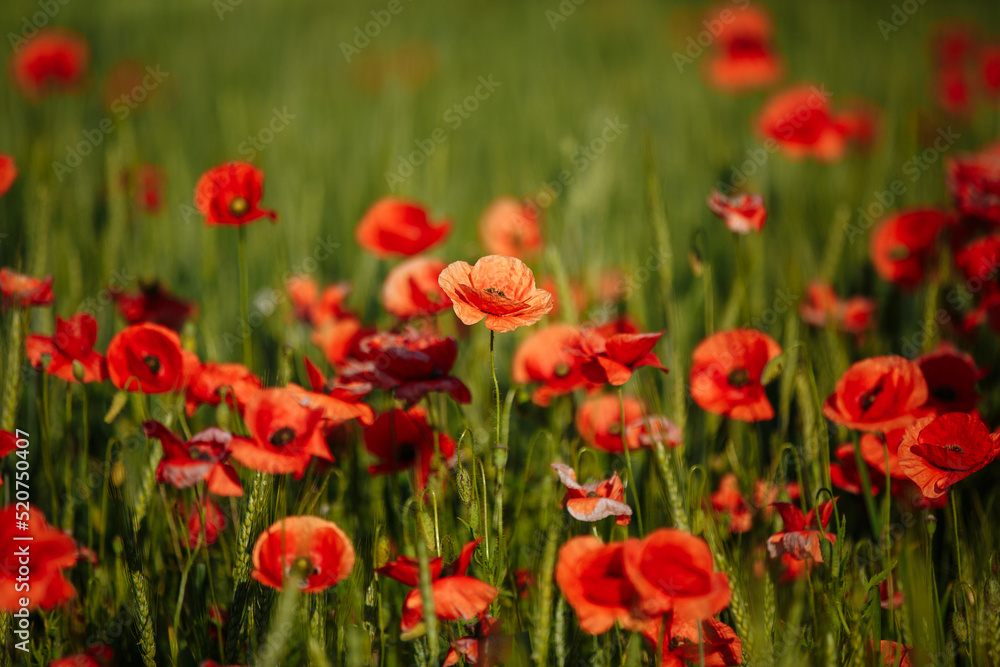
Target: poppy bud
(931,521)
(223,416)
(382,549)
(78,370)
(463,480)
(426,524)
(960,627)
(993,595)
(474,517)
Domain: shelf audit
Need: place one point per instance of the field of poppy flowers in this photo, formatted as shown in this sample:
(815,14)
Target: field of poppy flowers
(529,333)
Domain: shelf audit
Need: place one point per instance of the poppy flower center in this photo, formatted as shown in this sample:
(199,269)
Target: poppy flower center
(152,363)
(869,397)
(593,494)
(944,393)
(302,567)
(282,437)
(494,290)
(238,206)
(615,429)
(954,448)
(562,370)
(200,454)
(899,253)
(739,378)
(406,453)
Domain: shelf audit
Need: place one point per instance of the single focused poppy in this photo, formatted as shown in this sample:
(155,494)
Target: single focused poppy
(8,173)
(149,358)
(320,551)
(684,642)
(974,182)
(877,394)
(612,359)
(212,381)
(511,227)
(937,452)
(72,343)
(802,533)
(395,227)
(52,552)
(286,434)
(903,245)
(742,213)
(487,646)
(411,289)
(214,523)
(23,291)
(726,374)
(673,571)
(744,58)
(951,377)
(203,458)
(594,501)
(230,194)
(54,60)
(599,422)
(800,122)
(822,307)
(403,440)
(498,288)
(546,357)
(152,302)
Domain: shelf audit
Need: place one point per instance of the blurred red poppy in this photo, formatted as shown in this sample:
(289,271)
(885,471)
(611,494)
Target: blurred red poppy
(203,458)
(822,307)
(951,377)
(8,443)
(73,342)
(402,440)
(215,523)
(953,90)
(339,338)
(599,422)
(989,69)
(844,473)
(54,60)
(23,291)
(803,533)
(903,245)
(154,303)
(979,259)
(652,430)
(799,120)
(685,644)
(8,173)
(545,356)
(730,501)
(744,58)
(726,374)
(937,452)
(498,288)
(487,646)
(395,227)
(887,600)
(974,182)
(148,358)
(212,381)
(594,501)
(406,570)
(411,289)
(612,359)
(52,551)
(511,227)
(877,394)
(742,213)
(147,183)
(890,654)
(319,549)
(230,194)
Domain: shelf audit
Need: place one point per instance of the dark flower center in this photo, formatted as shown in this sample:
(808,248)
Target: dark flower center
(152,363)
(238,206)
(303,566)
(615,429)
(200,454)
(954,448)
(739,378)
(593,494)
(494,290)
(406,453)
(945,393)
(868,398)
(562,370)
(282,436)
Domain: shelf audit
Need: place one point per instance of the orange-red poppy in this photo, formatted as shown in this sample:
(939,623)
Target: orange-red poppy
(742,213)
(51,552)
(456,598)
(395,227)
(903,245)
(402,440)
(890,654)
(511,227)
(72,343)
(684,643)
(937,452)
(23,291)
(54,60)
(877,394)
(498,288)
(652,430)
(214,523)
(799,120)
(320,551)
(147,183)
(726,374)
(152,302)
(599,422)
(406,570)
(212,381)
(802,533)
(230,194)
(411,289)
(822,307)
(338,338)
(149,358)
(613,358)
(8,173)
(286,434)
(546,357)
(744,58)
(203,458)
(594,501)
(487,646)
(728,500)
(974,182)
(951,377)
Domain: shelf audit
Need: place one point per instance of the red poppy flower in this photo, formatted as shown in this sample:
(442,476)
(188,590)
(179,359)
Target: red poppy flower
(974,182)
(212,381)
(877,394)
(684,645)
(887,601)
(953,43)
(403,441)
(859,124)
(873,448)
(406,570)
(730,501)
(743,213)
(8,173)
(54,60)
(230,194)
(501,289)
(612,359)
(339,338)
(937,452)
(398,228)
(903,245)
(487,646)
(673,571)
(511,227)
(799,120)
(304,292)
(890,654)
(979,259)
(73,342)
(951,377)
(149,358)
(726,374)
(215,523)
(744,59)
(153,303)
(200,459)
(286,434)
(592,578)
(24,291)
(52,551)
(953,90)
(823,307)
(599,422)
(576,294)
(411,289)
(989,69)
(652,430)
(96,656)
(595,501)
(546,357)
(845,475)
(318,548)
(330,305)
(524,581)
(8,443)
(148,182)
(801,536)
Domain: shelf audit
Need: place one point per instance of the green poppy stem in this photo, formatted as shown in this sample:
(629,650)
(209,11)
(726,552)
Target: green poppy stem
(241,246)
(628,461)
